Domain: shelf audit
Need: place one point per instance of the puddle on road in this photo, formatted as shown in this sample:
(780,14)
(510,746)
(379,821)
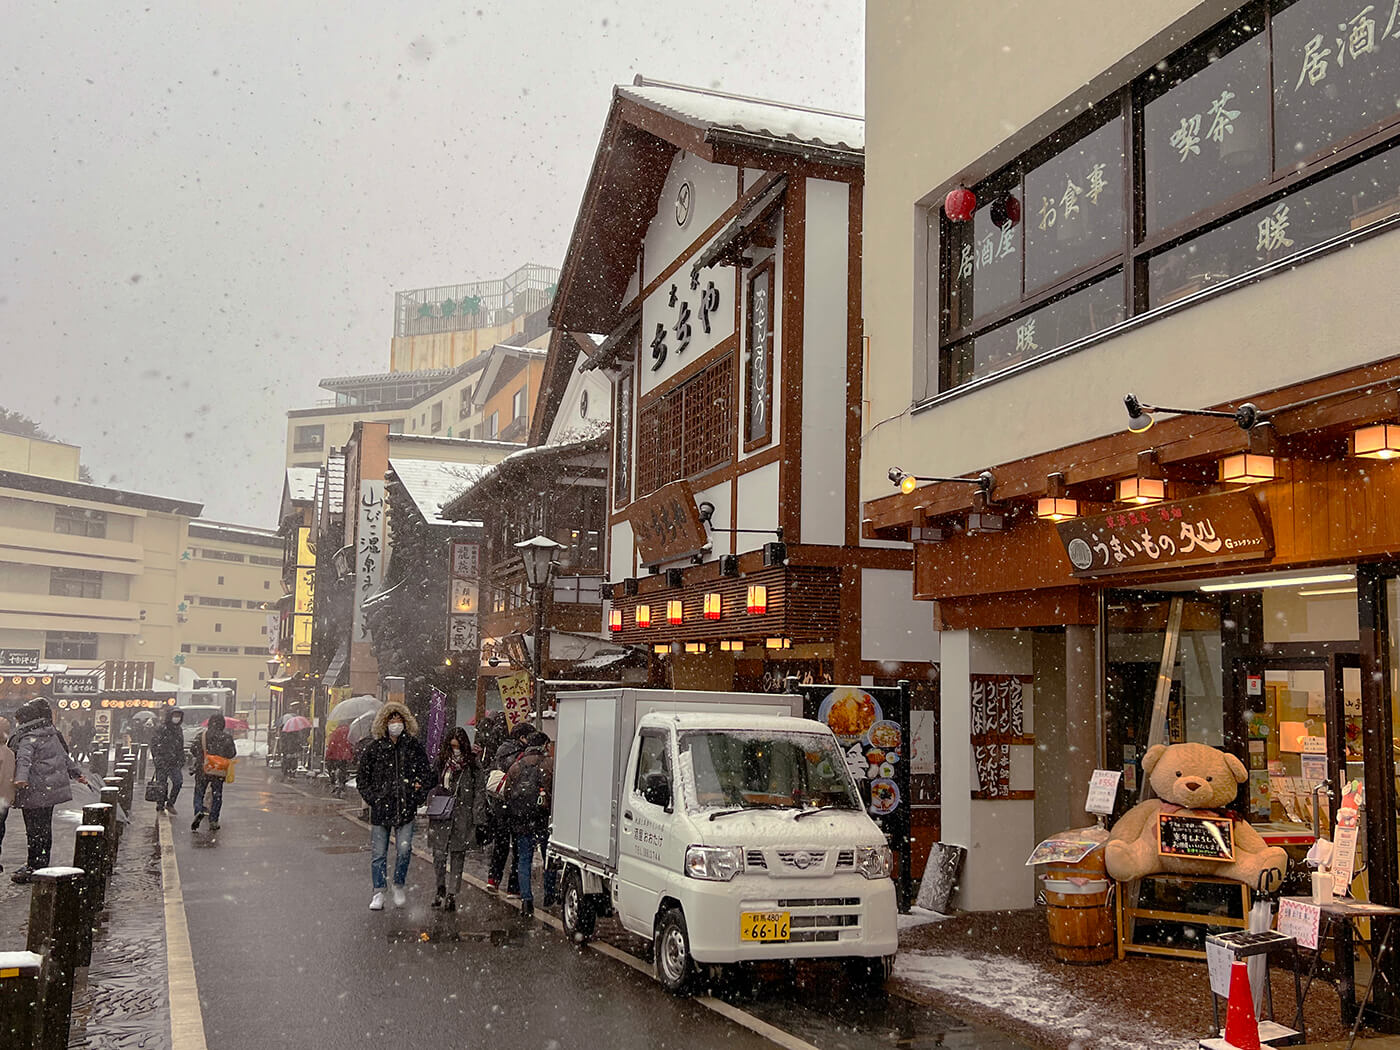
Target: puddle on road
(343,849)
(445,936)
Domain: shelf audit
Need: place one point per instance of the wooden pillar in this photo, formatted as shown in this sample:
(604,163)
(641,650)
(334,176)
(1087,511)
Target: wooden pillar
(847,650)
(1081,710)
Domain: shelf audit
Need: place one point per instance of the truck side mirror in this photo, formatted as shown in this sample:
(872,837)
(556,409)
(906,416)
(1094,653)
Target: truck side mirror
(656,789)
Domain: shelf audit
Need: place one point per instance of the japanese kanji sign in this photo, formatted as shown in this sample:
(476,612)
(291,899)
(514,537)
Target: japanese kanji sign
(1204,531)
(369,552)
(464,562)
(666,525)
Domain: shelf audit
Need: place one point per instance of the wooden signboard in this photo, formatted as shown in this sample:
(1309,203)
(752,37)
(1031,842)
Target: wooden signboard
(666,524)
(1199,838)
(1204,531)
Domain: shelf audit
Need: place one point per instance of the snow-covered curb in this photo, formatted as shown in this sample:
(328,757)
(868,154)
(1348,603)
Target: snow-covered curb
(919,917)
(1019,990)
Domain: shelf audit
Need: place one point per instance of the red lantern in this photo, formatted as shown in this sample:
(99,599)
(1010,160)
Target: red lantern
(960,204)
(1006,211)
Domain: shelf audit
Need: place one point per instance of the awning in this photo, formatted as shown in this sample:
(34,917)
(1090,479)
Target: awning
(338,668)
(735,236)
(616,347)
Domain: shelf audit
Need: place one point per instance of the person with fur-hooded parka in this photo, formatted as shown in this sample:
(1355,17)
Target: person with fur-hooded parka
(394,779)
(43,769)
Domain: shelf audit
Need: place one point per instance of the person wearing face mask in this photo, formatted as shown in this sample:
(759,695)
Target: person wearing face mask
(168,754)
(451,838)
(394,779)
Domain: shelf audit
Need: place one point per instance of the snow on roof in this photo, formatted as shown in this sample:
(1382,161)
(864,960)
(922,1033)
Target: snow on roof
(430,483)
(707,109)
(301,482)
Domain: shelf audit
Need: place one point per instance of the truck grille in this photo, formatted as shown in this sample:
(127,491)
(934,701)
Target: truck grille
(798,863)
(818,918)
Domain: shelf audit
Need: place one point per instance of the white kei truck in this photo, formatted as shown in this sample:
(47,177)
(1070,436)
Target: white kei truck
(724,827)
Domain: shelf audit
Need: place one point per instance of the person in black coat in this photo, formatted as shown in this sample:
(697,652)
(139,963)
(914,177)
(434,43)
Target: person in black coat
(502,840)
(217,741)
(168,756)
(394,779)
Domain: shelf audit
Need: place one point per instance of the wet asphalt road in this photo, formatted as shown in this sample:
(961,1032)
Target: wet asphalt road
(287,953)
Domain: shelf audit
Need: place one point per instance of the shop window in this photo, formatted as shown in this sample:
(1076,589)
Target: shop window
(75,521)
(1206,125)
(1348,200)
(75,583)
(1335,71)
(1074,209)
(70,645)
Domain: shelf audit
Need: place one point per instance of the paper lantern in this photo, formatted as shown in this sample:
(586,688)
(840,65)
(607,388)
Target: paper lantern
(675,614)
(615,620)
(643,616)
(757,599)
(714,604)
(960,204)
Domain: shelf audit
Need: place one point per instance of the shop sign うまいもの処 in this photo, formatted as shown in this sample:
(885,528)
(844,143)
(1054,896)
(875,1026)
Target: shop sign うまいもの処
(1201,531)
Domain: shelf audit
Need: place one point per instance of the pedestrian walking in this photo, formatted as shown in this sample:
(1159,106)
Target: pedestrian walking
(529,791)
(7,778)
(211,755)
(168,755)
(43,770)
(80,740)
(502,838)
(394,778)
(451,837)
(339,754)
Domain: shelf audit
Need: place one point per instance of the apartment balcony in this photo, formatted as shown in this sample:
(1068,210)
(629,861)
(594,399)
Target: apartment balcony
(37,547)
(52,612)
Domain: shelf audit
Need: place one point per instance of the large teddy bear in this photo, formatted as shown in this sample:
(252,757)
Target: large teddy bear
(1191,779)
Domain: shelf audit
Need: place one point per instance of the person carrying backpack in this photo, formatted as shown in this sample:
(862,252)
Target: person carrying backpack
(529,792)
(210,756)
(502,838)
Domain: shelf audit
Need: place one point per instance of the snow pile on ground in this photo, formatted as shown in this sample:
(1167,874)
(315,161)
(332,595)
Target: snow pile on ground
(917,916)
(1022,991)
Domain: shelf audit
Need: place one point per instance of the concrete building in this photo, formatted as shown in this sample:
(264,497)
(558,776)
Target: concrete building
(1189,202)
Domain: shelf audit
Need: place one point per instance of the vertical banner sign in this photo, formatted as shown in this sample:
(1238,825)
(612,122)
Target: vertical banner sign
(463,632)
(998,722)
(369,552)
(437,721)
(758,372)
(872,727)
(515,698)
(274,628)
(304,595)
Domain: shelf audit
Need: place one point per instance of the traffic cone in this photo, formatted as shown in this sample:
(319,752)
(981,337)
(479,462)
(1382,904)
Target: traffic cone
(1241,1026)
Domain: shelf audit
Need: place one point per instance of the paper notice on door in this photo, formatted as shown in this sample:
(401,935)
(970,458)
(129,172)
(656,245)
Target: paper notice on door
(1343,860)
(1218,960)
(1103,791)
(1299,920)
(1314,770)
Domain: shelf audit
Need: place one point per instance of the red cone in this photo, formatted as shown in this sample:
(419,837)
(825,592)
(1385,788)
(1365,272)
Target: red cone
(1241,1026)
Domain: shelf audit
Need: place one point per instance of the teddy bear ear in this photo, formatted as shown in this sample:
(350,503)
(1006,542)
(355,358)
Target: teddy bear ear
(1236,768)
(1153,756)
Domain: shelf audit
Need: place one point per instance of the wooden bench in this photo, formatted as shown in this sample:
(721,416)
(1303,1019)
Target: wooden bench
(1224,894)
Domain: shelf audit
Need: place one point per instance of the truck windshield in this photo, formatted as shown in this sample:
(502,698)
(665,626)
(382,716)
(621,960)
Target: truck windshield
(752,769)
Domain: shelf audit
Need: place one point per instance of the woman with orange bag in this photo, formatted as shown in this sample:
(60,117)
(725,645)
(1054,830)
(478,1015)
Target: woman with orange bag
(212,754)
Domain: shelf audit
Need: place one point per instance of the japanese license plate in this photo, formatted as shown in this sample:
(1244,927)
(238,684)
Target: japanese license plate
(764,925)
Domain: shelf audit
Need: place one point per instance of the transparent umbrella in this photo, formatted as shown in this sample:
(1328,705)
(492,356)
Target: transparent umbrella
(362,727)
(349,710)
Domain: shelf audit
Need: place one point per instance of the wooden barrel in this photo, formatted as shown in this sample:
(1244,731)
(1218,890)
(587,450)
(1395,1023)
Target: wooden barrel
(1078,909)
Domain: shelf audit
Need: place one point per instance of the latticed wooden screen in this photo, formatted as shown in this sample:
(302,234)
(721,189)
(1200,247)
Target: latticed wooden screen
(688,431)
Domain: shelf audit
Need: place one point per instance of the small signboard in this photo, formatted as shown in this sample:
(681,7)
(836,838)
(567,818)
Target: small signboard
(1343,860)
(76,684)
(666,524)
(1103,790)
(19,659)
(1199,838)
(1299,920)
(1068,847)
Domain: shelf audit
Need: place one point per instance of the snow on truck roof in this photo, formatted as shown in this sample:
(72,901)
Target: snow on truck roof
(737,720)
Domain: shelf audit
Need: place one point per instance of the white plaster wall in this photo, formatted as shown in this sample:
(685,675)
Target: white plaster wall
(568,421)
(723,518)
(893,625)
(824,363)
(758,503)
(715,187)
(620,552)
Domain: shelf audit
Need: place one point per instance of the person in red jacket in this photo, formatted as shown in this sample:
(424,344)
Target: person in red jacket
(339,755)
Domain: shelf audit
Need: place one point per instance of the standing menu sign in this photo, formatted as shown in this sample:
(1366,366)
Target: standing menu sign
(872,725)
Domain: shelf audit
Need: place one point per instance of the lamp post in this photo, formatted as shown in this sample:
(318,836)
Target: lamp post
(537,555)
(273,663)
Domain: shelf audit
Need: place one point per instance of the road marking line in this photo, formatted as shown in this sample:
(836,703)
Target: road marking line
(742,1018)
(186,1016)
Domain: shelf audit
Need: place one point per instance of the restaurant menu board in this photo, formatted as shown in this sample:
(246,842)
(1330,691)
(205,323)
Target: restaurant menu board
(871,725)
(1068,847)
(1199,838)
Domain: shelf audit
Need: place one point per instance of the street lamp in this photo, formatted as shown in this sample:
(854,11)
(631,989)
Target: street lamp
(273,663)
(537,556)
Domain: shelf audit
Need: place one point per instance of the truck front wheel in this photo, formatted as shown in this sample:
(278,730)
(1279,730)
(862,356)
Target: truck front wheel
(578,911)
(870,974)
(675,969)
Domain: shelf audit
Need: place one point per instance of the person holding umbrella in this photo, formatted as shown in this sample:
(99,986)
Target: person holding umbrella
(394,779)
(291,740)
(339,755)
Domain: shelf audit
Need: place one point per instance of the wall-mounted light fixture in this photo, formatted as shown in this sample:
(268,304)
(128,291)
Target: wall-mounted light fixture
(1056,504)
(675,612)
(1378,441)
(907,483)
(777,643)
(615,620)
(714,605)
(629,586)
(675,578)
(643,615)
(1147,485)
(986,521)
(757,599)
(1256,463)
(1247,416)
(729,565)
(661,649)
(735,645)
(696,647)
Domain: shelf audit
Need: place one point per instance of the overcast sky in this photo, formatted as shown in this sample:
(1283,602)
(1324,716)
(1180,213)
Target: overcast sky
(208,207)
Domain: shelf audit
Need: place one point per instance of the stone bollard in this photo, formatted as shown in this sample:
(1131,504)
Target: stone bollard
(100,814)
(116,783)
(141,766)
(19,999)
(89,855)
(127,774)
(109,796)
(55,918)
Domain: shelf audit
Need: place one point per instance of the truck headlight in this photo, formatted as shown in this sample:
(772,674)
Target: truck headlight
(873,861)
(714,863)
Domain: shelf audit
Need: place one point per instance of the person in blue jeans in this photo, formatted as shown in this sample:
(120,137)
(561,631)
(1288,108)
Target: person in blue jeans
(215,740)
(529,791)
(394,779)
